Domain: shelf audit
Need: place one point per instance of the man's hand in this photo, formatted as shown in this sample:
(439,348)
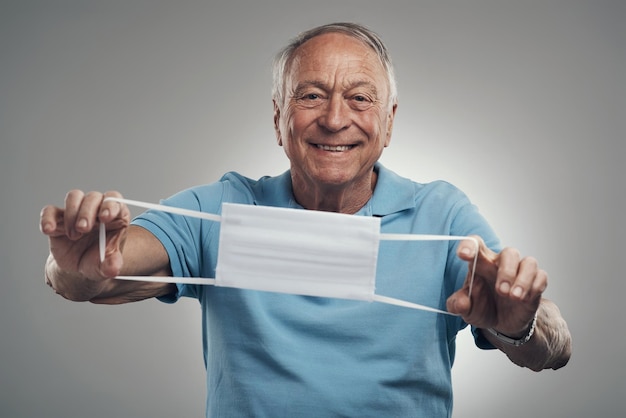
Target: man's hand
(73,238)
(506,293)
(506,296)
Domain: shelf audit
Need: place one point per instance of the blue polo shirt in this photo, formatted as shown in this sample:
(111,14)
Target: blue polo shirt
(279,355)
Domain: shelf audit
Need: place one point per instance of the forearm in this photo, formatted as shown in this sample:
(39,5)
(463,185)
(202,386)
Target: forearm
(548,348)
(78,288)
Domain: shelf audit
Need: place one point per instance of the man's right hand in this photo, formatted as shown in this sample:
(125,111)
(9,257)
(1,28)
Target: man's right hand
(73,239)
(74,269)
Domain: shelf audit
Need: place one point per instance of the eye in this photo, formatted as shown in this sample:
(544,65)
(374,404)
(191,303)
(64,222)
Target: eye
(309,99)
(361,102)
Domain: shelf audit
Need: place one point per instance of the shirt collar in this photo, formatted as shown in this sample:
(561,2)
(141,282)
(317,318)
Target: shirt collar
(392,194)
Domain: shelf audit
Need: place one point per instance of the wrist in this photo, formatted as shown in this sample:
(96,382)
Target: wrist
(516,340)
(70,285)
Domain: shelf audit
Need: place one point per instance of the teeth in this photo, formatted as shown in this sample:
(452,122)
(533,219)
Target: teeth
(335,149)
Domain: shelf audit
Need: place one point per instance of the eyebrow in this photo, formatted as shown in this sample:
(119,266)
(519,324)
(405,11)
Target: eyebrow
(303,85)
(371,88)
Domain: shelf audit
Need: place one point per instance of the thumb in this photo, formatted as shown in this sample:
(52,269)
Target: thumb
(113,261)
(459,302)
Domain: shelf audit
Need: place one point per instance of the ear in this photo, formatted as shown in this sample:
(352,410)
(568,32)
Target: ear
(390,118)
(279,138)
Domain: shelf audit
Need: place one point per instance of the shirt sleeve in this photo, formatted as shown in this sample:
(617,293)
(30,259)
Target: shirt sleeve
(188,241)
(469,221)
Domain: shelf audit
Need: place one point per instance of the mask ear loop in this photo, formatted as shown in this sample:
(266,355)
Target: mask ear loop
(161,208)
(218,218)
(425,237)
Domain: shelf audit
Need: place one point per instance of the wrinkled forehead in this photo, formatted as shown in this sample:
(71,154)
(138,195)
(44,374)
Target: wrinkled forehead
(331,53)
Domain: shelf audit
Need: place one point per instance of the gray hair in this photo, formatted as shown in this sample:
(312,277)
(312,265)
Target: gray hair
(359,32)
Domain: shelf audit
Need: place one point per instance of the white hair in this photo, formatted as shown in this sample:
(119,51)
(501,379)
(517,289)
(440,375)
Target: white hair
(359,32)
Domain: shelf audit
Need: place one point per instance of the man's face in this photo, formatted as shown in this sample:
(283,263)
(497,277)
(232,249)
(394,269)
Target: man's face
(336,117)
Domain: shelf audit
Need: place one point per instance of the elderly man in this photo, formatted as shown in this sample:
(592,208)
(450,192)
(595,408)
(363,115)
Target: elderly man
(273,354)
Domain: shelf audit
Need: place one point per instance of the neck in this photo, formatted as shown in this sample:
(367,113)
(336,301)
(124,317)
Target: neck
(334,198)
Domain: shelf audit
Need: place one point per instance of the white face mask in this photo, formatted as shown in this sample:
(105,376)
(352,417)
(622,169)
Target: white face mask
(301,252)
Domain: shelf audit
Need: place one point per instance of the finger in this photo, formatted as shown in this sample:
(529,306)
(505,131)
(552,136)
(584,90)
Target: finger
(508,267)
(459,303)
(467,248)
(111,210)
(73,200)
(112,263)
(522,286)
(117,216)
(486,262)
(537,286)
(51,220)
(476,311)
(86,217)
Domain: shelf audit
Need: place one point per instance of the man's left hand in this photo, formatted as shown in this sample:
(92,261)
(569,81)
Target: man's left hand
(506,291)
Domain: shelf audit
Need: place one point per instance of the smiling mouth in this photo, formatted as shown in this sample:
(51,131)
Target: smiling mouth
(338,148)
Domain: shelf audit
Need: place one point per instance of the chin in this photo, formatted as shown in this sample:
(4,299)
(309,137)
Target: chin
(335,178)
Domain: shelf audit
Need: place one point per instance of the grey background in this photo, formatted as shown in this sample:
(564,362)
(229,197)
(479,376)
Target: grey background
(521,104)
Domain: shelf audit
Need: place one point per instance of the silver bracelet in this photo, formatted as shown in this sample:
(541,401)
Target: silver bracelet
(513,341)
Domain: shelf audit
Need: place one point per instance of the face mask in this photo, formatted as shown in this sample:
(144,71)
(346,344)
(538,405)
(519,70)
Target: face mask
(302,252)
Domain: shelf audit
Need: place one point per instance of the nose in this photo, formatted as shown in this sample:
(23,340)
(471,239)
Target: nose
(336,114)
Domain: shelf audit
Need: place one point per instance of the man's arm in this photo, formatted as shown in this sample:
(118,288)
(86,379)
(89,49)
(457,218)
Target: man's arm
(506,296)
(74,269)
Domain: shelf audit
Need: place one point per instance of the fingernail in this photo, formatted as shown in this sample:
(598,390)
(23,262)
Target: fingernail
(82,223)
(505,288)
(517,292)
(105,213)
(466,251)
